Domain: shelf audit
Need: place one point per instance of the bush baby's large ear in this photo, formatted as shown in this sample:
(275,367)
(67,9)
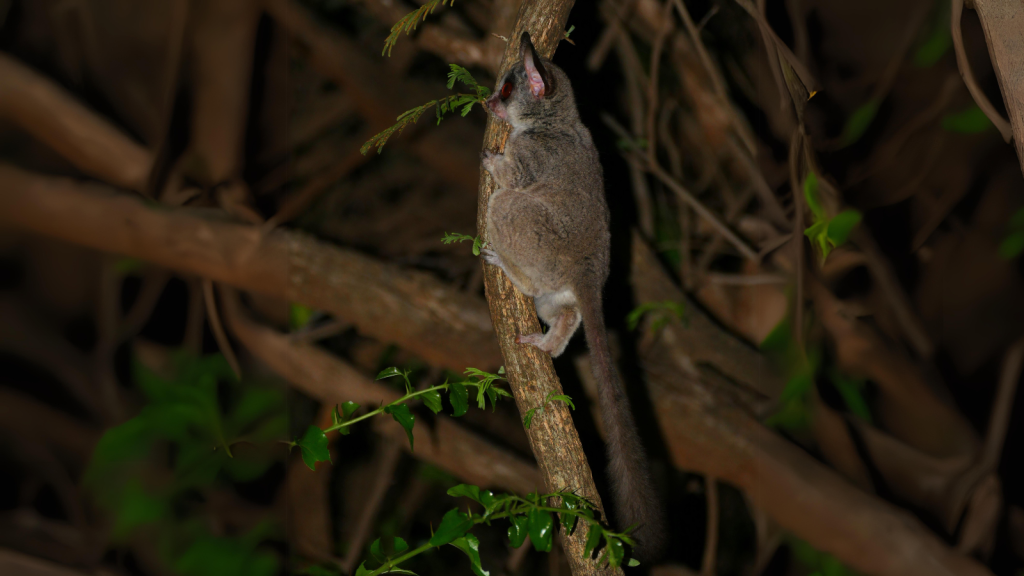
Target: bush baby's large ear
(538,78)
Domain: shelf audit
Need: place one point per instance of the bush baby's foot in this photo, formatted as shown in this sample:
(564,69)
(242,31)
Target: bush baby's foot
(536,340)
(491,257)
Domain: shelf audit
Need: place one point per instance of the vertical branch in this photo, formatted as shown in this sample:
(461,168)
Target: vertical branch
(531,375)
(795,149)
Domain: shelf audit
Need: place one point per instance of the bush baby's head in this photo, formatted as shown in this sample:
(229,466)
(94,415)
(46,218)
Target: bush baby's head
(534,91)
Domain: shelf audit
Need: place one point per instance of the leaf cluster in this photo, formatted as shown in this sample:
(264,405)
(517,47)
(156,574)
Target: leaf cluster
(665,311)
(527,516)
(450,237)
(314,444)
(1013,244)
(552,396)
(462,102)
(801,369)
(410,21)
(194,415)
(827,233)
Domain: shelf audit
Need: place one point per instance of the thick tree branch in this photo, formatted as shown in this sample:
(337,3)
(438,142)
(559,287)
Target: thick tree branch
(51,115)
(432,319)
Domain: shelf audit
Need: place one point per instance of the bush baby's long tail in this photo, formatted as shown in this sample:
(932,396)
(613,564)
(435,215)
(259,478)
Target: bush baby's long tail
(633,492)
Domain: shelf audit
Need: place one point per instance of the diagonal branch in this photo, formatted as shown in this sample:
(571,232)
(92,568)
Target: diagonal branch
(331,380)
(707,431)
(412,309)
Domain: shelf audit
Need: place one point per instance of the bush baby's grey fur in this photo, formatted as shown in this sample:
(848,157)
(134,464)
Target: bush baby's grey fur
(547,224)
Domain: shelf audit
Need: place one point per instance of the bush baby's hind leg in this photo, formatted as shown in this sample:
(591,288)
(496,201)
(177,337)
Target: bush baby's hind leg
(562,327)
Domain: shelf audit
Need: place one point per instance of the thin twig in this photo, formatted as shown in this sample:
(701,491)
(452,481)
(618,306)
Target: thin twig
(1002,406)
(218,329)
(332,328)
(685,195)
(798,233)
(744,280)
(389,457)
(707,565)
(652,84)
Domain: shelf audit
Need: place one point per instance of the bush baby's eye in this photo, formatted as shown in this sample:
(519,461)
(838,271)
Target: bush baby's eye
(506,90)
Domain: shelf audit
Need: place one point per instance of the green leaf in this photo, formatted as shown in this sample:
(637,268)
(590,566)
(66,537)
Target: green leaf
(541,529)
(432,399)
(492,394)
(850,390)
(450,237)
(217,556)
(938,41)
(459,397)
(390,372)
(399,545)
(376,552)
(970,121)
(563,399)
(667,309)
(477,242)
(314,447)
(633,562)
(362,570)
(402,415)
(347,410)
(454,525)
(859,122)
(467,490)
(518,530)
(528,419)
(811,196)
(593,539)
(127,266)
(136,508)
(299,315)
(1012,246)
(568,521)
(615,551)
(841,225)
(471,546)
(197,465)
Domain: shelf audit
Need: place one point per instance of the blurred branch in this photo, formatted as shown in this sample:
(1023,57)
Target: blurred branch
(332,381)
(957,7)
(25,335)
(706,431)
(684,194)
(51,115)
(12,562)
(1004,35)
(25,417)
(434,320)
(436,39)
